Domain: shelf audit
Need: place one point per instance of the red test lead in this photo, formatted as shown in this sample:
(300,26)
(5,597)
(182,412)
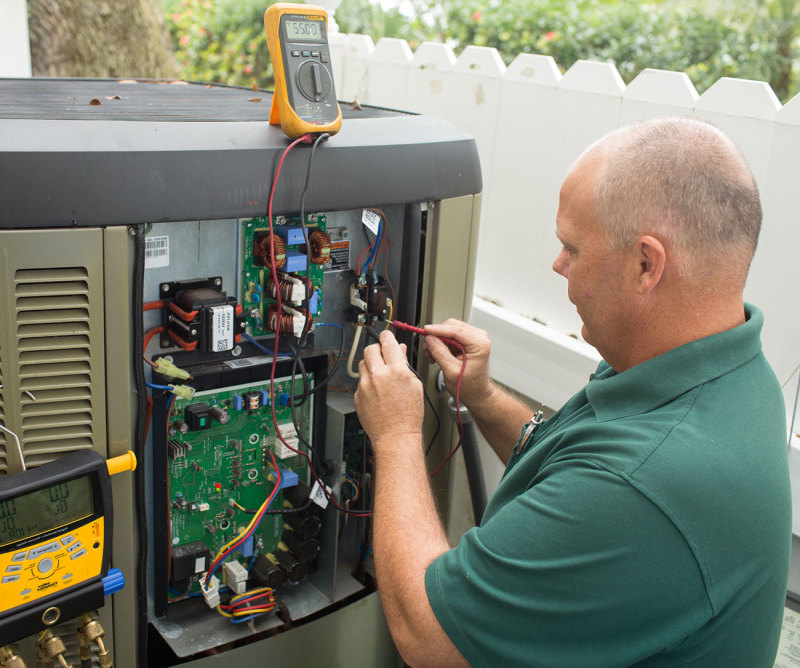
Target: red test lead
(453,344)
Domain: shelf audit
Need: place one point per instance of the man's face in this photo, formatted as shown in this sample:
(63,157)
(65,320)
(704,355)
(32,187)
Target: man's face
(595,274)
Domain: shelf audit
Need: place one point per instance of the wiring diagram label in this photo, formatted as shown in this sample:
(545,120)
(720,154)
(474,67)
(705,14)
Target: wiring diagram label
(156,251)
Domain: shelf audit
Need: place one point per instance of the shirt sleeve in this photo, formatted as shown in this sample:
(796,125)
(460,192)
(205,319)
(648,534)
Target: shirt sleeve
(581,569)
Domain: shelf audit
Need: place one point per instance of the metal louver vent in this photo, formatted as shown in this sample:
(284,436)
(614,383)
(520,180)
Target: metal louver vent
(54,362)
(3,439)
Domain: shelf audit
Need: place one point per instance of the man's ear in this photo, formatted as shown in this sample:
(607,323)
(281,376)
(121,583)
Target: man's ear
(651,258)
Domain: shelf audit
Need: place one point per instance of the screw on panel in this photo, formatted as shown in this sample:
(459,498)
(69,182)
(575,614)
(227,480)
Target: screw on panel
(217,281)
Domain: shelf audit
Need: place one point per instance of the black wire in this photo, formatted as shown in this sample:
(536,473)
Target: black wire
(287,511)
(300,399)
(293,409)
(137,302)
(308,286)
(432,407)
(323,137)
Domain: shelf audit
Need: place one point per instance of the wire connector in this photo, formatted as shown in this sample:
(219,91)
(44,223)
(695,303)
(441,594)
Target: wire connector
(235,576)
(168,369)
(210,591)
(182,391)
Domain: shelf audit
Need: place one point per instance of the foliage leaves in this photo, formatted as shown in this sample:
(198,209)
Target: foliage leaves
(223,40)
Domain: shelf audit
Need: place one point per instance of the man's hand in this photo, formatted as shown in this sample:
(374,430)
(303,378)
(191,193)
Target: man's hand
(475,386)
(389,399)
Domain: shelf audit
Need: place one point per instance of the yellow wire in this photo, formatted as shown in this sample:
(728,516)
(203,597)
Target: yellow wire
(252,523)
(261,608)
(391,312)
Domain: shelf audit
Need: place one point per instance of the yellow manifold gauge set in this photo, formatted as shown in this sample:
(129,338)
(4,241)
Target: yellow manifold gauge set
(55,542)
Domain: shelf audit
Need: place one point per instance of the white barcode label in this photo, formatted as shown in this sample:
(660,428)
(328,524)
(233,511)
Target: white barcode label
(221,328)
(371,220)
(156,251)
(319,496)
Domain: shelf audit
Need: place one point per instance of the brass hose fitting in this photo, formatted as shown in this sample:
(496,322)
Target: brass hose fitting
(90,631)
(9,658)
(52,648)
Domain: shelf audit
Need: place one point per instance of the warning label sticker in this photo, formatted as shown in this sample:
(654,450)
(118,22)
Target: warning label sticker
(340,256)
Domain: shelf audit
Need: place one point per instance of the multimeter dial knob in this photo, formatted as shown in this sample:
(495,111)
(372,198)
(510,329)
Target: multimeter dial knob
(314,81)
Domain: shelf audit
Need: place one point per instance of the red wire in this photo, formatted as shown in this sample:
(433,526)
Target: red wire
(454,344)
(150,334)
(244,536)
(306,139)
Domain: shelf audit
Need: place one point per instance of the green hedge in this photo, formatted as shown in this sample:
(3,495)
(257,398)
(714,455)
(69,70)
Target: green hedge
(223,40)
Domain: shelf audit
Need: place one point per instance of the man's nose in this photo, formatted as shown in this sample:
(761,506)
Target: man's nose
(561,265)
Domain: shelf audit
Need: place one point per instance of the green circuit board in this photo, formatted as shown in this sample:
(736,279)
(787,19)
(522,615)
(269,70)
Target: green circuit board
(219,471)
(254,275)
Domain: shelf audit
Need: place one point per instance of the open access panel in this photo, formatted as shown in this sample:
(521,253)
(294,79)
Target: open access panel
(153,247)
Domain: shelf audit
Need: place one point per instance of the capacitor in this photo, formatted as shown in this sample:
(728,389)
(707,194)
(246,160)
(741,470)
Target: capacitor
(267,572)
(295,569)
(180,426)
(297,494)
(305,548)
(220,414)
(306,525)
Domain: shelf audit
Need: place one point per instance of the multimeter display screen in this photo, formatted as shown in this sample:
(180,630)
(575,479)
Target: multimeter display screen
(303,31)
(36,512)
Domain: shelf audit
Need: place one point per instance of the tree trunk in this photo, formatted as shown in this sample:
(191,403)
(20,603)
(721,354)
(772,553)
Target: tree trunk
(99,38)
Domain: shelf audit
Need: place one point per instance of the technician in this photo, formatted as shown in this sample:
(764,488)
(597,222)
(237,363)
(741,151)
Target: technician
(647,521)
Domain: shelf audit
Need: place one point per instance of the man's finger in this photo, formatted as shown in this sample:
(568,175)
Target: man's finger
(440,352)
(393,354)
(373,357)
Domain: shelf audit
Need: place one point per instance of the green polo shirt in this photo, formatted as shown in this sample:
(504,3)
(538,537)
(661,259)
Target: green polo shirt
(647,522)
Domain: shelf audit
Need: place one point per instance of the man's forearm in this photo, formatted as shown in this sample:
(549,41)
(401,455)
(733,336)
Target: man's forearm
(500,418)
(408,536)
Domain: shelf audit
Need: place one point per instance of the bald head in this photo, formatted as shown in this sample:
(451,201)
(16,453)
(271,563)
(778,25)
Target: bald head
(685,182)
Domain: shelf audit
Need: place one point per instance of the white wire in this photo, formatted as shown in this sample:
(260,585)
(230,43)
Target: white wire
(19,447)
(352,356)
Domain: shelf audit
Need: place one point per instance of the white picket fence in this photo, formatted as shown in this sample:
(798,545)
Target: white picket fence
(530,123)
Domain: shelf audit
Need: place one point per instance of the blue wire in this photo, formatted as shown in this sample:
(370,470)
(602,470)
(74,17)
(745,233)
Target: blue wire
(256,343)
(327,324)
(374,248)
(152,386)
(246,619)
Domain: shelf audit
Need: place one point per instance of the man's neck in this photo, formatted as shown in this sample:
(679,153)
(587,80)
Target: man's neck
(664,328)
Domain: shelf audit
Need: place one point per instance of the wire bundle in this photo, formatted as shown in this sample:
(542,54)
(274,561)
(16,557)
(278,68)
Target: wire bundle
(249,605)
(231,545)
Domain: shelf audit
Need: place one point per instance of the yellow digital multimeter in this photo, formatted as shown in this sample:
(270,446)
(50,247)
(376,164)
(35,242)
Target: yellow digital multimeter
(55,541)
(304,99)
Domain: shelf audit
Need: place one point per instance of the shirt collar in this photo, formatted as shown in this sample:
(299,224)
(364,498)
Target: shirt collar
(661,379)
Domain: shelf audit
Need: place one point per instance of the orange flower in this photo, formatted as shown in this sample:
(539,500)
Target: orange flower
(550,36)
(184,40)
(476,16)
